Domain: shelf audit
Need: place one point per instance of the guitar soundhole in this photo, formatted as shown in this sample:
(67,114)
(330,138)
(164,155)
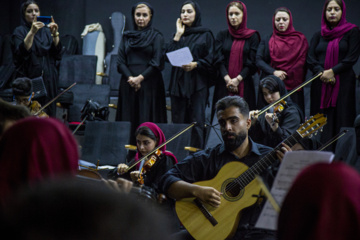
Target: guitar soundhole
(232,191)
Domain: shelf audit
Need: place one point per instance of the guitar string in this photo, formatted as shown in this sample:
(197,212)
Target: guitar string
(249,174)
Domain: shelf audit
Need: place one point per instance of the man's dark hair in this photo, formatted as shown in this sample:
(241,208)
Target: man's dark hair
(233,101)
(22,87)
(11,112)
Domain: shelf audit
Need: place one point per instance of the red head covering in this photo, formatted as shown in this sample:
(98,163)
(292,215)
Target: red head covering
(35,149)
(161,139)
(236,54)
(288,52)
(323,203)
(330,92)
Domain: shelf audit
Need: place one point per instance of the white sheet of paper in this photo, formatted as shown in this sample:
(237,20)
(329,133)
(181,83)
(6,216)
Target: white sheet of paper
(180,57)
(290,167)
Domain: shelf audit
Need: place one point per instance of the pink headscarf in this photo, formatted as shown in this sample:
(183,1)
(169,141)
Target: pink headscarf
(236,54)
(161,139)
(288,51)
(329,93)
(35,149)
(323,203)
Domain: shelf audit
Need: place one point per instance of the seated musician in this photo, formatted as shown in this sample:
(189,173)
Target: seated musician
(148,137)
(146,173)
(23,93)
(276,124)
(233,116)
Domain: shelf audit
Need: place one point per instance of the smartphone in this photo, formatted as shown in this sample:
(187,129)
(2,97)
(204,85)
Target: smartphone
(45,19)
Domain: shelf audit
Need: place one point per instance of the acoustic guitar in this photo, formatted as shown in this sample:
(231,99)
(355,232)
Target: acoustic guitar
(237,184)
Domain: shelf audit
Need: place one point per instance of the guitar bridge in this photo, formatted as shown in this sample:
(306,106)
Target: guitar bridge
(206,213)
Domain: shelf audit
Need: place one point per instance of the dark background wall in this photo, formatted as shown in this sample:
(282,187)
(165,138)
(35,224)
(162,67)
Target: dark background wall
(73,15)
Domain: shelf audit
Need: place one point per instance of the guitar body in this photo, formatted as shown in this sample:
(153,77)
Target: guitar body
(227,215)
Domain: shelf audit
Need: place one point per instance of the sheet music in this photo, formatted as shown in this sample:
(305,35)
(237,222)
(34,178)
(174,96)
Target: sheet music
(180,57)
(290,167)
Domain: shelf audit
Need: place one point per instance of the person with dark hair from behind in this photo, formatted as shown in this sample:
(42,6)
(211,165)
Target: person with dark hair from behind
(276,124)
(9,114)
(23,94)
(233,116)
(69,208)
(322,203)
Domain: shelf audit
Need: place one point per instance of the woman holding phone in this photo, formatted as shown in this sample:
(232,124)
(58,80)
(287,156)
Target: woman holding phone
(37,47)
(189,83)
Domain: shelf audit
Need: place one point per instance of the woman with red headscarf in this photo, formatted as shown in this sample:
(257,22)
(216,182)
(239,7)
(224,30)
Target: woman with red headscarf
(236,49)
(323,203)
(148,137)
(32,150)
(334,51)
(283,54)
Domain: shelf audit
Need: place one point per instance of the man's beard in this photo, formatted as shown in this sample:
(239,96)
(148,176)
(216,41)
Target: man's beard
(232,144)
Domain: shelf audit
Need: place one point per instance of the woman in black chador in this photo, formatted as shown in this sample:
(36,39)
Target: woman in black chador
(36,49)
(189,83)
(140,61)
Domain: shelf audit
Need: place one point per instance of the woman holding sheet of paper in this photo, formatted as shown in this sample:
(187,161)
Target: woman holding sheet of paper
(140,62)
(236,52)
(189,83)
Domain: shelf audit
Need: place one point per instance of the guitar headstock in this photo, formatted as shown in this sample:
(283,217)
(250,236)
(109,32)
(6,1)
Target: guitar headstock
(312,125)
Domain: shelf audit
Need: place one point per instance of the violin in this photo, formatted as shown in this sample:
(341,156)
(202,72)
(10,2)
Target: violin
(149,162)
(287,95)
(278,109)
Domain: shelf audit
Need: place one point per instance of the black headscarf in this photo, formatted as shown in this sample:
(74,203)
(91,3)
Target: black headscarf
(196,25)
(42,39)
(144,37)
(276,82)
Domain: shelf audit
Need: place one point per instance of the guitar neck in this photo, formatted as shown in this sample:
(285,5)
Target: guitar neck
(249,175)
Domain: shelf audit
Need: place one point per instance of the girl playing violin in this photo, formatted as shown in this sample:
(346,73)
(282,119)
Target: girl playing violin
(278,122)
(148,137)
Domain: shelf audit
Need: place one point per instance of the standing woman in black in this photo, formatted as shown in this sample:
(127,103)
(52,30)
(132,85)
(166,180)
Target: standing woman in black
(333,51)
(236,51)
(283,54)
(189,83)
(36,49)
(140,62)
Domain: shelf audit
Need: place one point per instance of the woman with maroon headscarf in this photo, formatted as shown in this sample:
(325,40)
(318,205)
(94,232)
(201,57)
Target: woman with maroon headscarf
(283,54)
(32,150)
(323,203)
(148,137)
(236,51)
(334,51)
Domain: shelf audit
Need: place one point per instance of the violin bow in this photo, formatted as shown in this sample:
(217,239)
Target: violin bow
(333,139)
(51,101)
(160,146)
(288,94)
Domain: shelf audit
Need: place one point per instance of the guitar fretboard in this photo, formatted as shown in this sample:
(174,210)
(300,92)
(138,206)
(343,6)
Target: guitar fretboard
(249,175)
